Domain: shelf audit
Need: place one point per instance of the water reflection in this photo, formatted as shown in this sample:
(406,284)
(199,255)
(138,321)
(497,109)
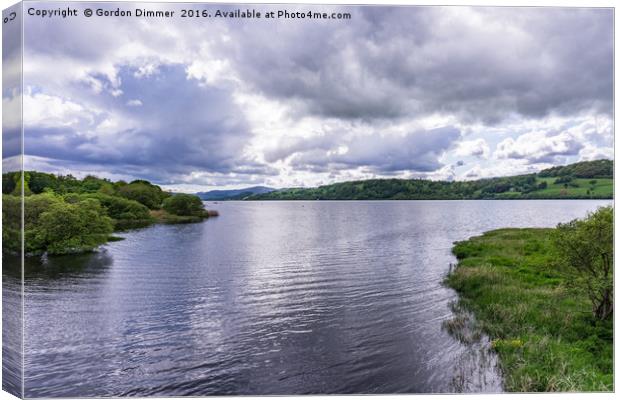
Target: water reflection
(269,298)
(50,268)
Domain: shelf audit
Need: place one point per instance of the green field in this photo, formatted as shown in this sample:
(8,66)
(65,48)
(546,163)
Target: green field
(544,332)
(601,187)
(582,180)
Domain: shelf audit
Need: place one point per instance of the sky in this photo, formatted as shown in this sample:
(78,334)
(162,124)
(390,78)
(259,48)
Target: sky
(443,93)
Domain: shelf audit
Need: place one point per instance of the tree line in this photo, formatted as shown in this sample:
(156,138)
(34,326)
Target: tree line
(64,214)
(521,186)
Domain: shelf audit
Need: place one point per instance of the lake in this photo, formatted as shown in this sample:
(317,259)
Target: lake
(268,298)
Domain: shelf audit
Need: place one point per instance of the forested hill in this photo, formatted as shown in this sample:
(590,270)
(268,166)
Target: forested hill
(583,180)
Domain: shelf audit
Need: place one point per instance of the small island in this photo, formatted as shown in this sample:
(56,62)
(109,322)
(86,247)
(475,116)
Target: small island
(66,215)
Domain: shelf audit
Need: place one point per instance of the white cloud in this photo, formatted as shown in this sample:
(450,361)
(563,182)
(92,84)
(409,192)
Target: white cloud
(349,103)
(11,111)
(476,148)
(502,168)
(538,147)
(134,103)
(590,153)
(44,110)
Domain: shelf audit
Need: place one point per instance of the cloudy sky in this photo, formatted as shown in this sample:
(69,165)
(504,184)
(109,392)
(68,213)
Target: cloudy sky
(440,93)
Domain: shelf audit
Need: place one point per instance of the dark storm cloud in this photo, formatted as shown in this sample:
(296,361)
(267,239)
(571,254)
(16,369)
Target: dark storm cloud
(387,63)
(11,142)
(417,151)
(385,67)
(181,126)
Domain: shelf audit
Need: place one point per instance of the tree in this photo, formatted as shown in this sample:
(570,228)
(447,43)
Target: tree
(585,254)
(144,193)
(184,205)
(73,228)
(8,182)
(563,179)
(11,224)
(18,185)
(91,184)
(125,213)
(39,181)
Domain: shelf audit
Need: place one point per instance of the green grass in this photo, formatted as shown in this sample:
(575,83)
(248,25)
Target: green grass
(543,332)
(602,188)
(164,217)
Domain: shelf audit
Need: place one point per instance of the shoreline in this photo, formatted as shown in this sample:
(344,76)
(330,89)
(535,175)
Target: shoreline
(540,329)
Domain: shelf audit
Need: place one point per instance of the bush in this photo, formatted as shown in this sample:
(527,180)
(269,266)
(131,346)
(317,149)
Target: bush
(53,225)
(185,205)
(72,228)
(34,206)
(563,179)
(11,224)
(585,255)
(127,214)
(141,191)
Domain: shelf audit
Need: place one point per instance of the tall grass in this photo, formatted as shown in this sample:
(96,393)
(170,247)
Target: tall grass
(542,331)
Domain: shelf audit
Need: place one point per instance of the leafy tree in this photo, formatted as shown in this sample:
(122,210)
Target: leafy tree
(107,188)
(563,179)
(144,193)
(19,183)
(184,205)
(11,224)
(8,182)
(34,206)
(68,184)
(92,184)
(126,213)
(72,228)
(40,181)
(584,169)
(585,254)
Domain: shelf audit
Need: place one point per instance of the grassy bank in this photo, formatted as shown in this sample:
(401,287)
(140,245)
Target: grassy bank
(543,331)
(164,217)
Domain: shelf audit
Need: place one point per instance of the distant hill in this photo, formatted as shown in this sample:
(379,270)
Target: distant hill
(235,194)
(585,169)
(583,180)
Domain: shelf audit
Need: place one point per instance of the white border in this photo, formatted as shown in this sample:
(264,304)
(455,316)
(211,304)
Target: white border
(532,3)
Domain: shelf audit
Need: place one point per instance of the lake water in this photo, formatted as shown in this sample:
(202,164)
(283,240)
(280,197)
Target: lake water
(268,298)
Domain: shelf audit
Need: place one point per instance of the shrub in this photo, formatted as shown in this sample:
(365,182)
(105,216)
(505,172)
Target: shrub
(184,205)
(72,228)
(585,255)
(34,206)
(141,191)
(563,179)
(11,224)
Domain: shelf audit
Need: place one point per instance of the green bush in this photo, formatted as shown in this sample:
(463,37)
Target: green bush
(185,205)
(127,214)
(585,255)
(141,191)
(53,225)
(72,228)
(563,179)
(11,224)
